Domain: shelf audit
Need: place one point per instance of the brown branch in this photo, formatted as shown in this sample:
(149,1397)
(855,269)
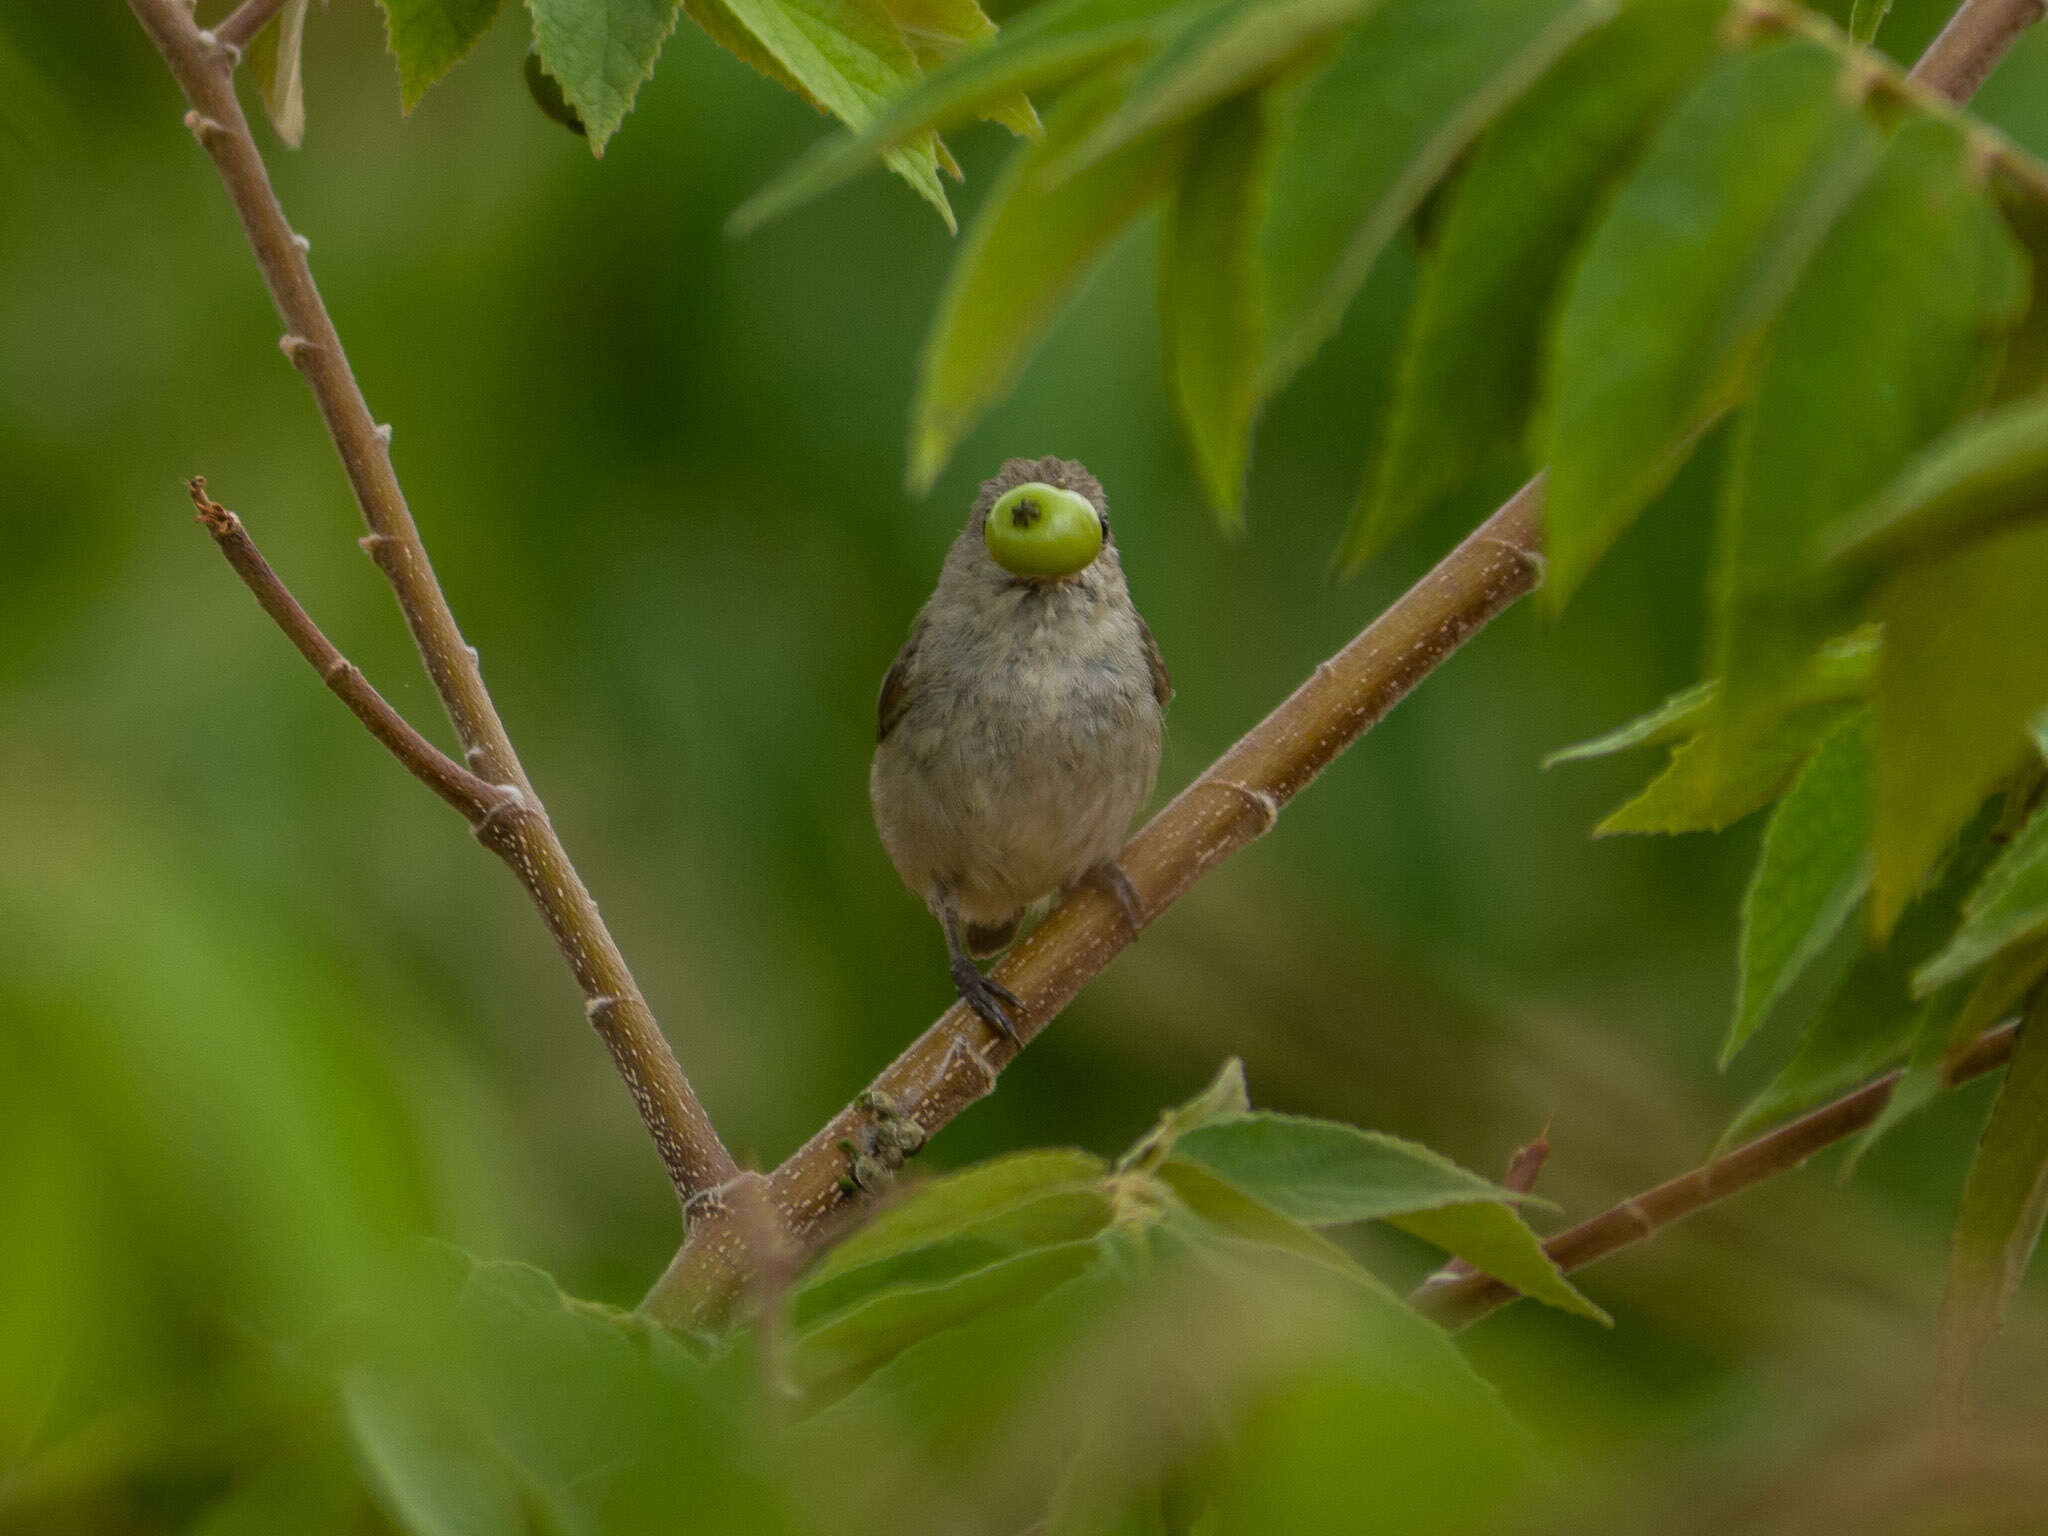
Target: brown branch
(1970,46)
(696,1160)
(956,1061)
(1523,1169)
(1458,1302)
(249,18)
(476,798)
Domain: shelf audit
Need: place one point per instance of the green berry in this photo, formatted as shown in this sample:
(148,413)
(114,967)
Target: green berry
(1037,530)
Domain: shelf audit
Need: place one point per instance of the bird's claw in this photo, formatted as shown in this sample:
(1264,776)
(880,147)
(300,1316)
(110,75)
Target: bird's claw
(987,997)
(1110,878)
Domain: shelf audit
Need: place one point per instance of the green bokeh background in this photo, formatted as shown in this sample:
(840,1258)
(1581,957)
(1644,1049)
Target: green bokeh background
(263,1002)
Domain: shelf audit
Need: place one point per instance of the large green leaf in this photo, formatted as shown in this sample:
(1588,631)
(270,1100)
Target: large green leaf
(1896,327)
(850,57)
(430,37)
(1839,671)
(1026,250)
(1683,277)
(1987,476)
(1208,293)
(1963,671)
(2004,1203)
(1870,1022)
(1706,786)
(940,31)
(1041,48)
(1234,46)
(1812,870)
(601,52)
(2009,907)
(1322,1173)
(1469,358)
(1412,85)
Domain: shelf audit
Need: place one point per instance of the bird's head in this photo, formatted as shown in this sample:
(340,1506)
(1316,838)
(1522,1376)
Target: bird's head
(1042,519)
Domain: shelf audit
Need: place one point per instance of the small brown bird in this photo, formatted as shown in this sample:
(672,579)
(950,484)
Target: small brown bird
(1020,727)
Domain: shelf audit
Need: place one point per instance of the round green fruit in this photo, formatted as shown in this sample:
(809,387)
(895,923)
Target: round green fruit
(1040,531)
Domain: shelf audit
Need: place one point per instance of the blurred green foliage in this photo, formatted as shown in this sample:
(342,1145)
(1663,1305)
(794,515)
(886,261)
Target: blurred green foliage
(267,1017)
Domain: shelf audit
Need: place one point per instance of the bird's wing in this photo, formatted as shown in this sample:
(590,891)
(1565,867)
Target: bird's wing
(895,697)
(1162,685)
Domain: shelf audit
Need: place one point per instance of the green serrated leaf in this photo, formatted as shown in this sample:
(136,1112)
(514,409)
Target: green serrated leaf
(1681,280)
(1024,254)
(2004,1203)
(430,37)
(1988,476)
(851,58)
(1324,1173)
(1044,47)
(1963,672)
(1705,787)
(1493,1239)
(940,31)
(2010,907)
(276,57)
(1894,330)
(1870,1022)
(1470,356)
(1839,672)
(1208,294)
(1676,718)
(1811,872)
(1223,1205)
(1237,45)
(601,52)
(1408,89)
(1922,1081)
(1865,17)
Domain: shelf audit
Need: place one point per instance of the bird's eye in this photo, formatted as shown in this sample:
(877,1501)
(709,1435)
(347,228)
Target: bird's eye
(1040,530)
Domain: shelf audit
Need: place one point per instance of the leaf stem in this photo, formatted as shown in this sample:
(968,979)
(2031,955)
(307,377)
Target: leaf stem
(697,1162)
(1456,1302)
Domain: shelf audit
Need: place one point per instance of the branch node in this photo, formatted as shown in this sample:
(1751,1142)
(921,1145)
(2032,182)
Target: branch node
(384,432)
(336,670)
(964,1047)
(1261,801)
(382,548)
(296,348)
(204,128)
(301,241)
(510,803)
(1636,1214)
(595,1008)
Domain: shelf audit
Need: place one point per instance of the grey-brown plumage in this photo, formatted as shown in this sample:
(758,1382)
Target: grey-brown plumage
(1019,733)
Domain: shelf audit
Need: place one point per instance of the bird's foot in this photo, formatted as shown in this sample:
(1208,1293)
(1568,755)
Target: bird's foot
(987,997)
(1109,878)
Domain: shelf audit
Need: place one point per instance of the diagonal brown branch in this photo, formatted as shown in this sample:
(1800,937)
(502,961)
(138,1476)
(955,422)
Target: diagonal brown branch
(478,799)
(1457,1300)
(696,1160)
(955,1061)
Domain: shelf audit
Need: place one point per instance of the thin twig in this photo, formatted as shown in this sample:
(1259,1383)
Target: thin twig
(955,1061)
(696,1160)
(478,799)
(1523,1169)
(1970,46)
(1456,1303)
